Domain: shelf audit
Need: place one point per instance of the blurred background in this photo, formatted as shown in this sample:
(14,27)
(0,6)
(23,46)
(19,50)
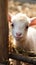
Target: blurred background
(25,6)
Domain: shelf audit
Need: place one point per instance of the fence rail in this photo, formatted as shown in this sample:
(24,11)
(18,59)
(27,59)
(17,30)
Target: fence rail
(22,58)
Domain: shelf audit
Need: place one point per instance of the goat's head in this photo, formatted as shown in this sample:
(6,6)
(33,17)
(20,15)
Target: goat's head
(20,23)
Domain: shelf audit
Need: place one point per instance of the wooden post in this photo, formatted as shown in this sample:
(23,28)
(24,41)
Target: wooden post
(3,31)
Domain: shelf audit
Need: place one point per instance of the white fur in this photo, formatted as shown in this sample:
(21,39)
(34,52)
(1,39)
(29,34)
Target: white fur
(27,40)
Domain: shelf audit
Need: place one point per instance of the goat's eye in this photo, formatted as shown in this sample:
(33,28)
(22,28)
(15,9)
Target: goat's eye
(12,25)
(27,27)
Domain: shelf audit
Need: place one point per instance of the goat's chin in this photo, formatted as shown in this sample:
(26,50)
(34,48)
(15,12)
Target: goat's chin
(18,38)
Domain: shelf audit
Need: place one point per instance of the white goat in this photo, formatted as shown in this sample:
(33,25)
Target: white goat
(24,35)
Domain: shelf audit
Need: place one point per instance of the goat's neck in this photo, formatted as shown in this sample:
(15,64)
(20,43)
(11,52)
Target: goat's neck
(21,43)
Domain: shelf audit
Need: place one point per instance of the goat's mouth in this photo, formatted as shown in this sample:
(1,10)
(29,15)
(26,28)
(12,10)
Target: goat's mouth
(18,38)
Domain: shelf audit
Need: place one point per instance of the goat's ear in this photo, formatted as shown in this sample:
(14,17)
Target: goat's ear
(9,18)
(32,21)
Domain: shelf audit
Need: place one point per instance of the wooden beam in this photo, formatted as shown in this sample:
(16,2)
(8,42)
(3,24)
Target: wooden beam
(3,30)
(23,58)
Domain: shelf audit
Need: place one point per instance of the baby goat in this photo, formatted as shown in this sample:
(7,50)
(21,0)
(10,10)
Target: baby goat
(25,36)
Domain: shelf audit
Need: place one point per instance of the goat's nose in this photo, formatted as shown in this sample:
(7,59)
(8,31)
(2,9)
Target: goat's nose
(18,34)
